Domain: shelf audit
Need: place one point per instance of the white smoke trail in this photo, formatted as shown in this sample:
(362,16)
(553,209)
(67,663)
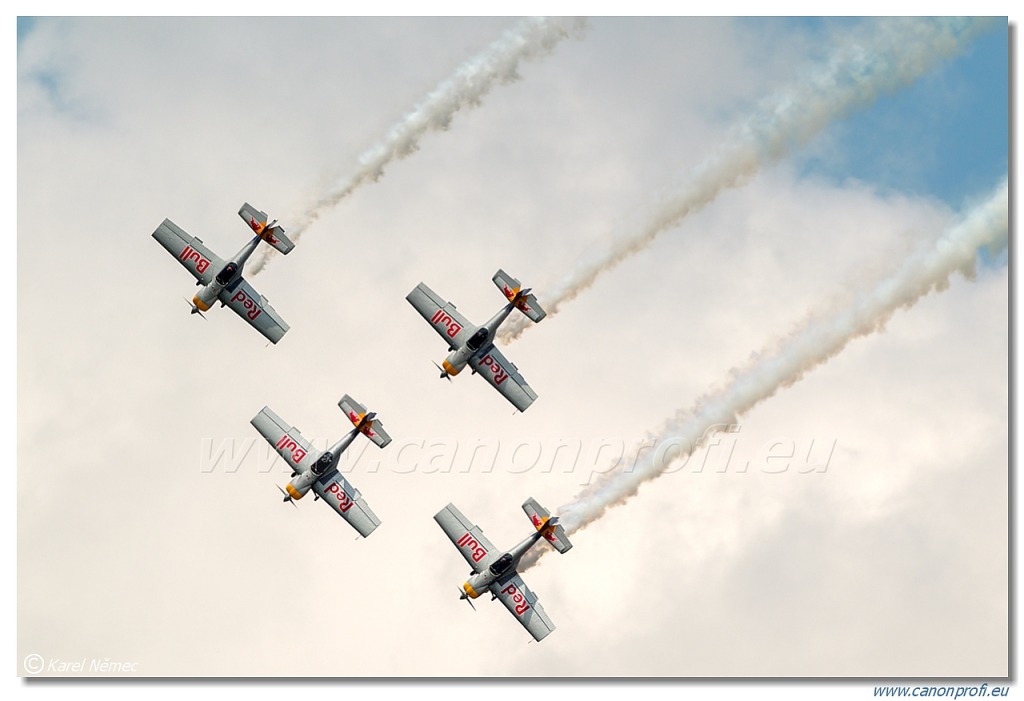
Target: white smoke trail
(497,65)
(882,57)
(810,345)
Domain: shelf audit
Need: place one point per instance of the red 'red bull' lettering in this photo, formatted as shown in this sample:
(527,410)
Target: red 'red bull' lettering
(518,600)
(252,310)
(288,444)
(344,501)
(500,375)
(476,551)
(441,319)
(192,254)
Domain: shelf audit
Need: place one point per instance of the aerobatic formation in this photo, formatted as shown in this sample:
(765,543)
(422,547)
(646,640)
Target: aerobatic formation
(472,346)
(316,471)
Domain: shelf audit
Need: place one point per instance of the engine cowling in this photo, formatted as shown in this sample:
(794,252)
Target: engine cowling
(475,585)
(456,360)
(205,298)
(301,484)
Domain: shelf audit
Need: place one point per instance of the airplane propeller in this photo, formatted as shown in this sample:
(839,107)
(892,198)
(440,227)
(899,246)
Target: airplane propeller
(464,595)
(195,309)
(444,373)
(287,496)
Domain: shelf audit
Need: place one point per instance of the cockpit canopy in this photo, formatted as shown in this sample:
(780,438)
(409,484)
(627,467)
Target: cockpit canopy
(501,564)
(323,463)
(228,272)
(478,339)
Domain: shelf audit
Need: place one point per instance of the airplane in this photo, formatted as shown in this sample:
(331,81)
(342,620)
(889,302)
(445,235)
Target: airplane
(223,280)
(495,571)
(318,471)
(473,345)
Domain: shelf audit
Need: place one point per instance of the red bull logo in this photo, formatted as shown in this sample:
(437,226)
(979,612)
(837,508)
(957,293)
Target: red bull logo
(510,294)
(476,551)
(500,374)
(538,524)
(356,418)
(519,602)
(287,444)
(344,500)
(191,254)
(249,305)
(451,326)
(256,226)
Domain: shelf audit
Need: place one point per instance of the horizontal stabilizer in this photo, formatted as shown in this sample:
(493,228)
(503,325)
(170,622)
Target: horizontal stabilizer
(522,299)
(527,304)
(273,234)
(368,424)
(541,518)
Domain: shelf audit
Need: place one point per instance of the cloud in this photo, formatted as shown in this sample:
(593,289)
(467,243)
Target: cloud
(815,342)
(863,66)
(466,88)
(126,547)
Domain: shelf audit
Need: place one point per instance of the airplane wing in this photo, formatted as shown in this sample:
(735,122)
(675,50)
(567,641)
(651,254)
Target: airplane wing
(249,304)
(189,250)
(522,603)
(287,440)
(345,499)
(468,538)
(504,377)
(441,315)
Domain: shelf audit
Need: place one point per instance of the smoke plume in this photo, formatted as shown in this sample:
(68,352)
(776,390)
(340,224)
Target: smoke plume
(472,81)
(811,344)
(881,58)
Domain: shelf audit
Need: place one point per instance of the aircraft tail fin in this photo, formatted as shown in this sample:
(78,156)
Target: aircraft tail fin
(547,524)
(523,300)
(271,233)
(366,422)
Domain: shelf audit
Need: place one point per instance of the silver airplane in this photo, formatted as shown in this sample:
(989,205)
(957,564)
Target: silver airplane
(318,471)
(223,280)
(495,571)
(473,345)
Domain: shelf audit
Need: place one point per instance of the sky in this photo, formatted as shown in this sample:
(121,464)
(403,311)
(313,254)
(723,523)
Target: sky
(877,547)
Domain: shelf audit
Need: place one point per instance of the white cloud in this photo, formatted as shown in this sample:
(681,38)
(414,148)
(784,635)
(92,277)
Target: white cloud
(127,549)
